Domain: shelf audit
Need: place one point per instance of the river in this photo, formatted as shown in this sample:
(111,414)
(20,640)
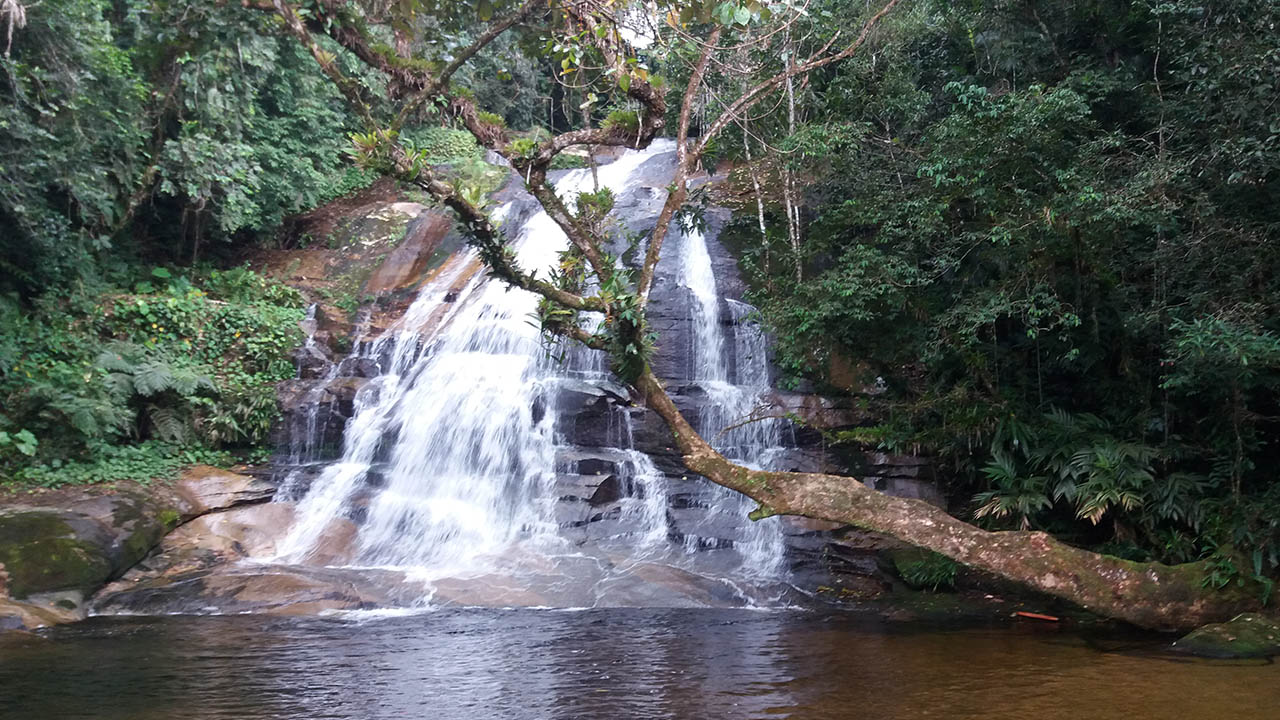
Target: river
(617,663)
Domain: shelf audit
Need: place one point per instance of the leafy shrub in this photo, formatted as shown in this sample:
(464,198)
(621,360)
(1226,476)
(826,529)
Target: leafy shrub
(565,161)
(926,570)
(521,147)
(173,366)
(143,462)
(491,118)
(627,121)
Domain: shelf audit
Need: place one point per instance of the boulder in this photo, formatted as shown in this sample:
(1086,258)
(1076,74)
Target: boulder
(59,548)
(406,264)
(77,539)
(204,489)
(48,551)
(1245,636)
(16,615)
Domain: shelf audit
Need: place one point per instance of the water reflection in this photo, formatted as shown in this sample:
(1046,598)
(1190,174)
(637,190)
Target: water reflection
(601,664)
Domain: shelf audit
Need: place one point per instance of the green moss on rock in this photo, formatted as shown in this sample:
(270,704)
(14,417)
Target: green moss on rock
(169,518)
(41,553)
(1246,636)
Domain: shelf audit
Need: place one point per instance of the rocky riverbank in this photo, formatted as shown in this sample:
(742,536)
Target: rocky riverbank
(59,548)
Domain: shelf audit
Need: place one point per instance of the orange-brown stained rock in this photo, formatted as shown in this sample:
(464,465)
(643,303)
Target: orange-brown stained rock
(406,264)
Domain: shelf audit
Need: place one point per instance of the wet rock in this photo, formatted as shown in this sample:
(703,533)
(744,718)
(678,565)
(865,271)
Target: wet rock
(825,413)
(899,475)
(596,466)
(705,527)
(265,589)
(16,615)
(312,362)
(314,416)
(579,486)
(359,367)
(610,490)
(653,437)
(243,532)
(205,489)
(1245,636)
(406,264)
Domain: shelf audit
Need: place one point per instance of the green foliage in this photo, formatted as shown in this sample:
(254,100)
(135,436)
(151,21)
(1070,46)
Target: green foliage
(630,343)
(565,161)
(145,462)
(148,129)
(1046,240)
(522,147)
(442,145)
(176,365)
(490,118)
(927,570)
(21,442)
(594,206)
(622,121)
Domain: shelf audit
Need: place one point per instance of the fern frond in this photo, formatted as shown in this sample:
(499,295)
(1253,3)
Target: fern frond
(168,424)
(153,378)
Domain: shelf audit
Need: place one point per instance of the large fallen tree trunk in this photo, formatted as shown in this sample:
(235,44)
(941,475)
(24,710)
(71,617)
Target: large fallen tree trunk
(1149,595)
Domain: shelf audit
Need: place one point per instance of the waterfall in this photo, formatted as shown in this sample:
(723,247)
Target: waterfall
(462,454)
(457,462)
(728,419)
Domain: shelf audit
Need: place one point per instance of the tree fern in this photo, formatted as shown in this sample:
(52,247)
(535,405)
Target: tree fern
(168,424)
(153,378)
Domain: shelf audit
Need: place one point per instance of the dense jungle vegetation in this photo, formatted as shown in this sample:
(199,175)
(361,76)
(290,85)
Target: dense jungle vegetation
(145,145)
(1050,234)
(1038,240)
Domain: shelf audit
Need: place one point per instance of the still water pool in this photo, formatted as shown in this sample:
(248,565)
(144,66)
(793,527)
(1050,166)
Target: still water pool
(608,664)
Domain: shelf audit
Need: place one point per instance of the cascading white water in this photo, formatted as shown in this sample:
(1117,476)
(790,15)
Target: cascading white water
(726,419)
(373,412)
(458,457)
(454,425)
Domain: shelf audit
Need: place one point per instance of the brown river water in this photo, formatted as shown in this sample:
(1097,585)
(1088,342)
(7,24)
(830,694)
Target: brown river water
(618,663)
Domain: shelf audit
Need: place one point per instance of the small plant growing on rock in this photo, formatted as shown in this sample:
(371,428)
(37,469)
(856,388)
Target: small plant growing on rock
(927,571)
